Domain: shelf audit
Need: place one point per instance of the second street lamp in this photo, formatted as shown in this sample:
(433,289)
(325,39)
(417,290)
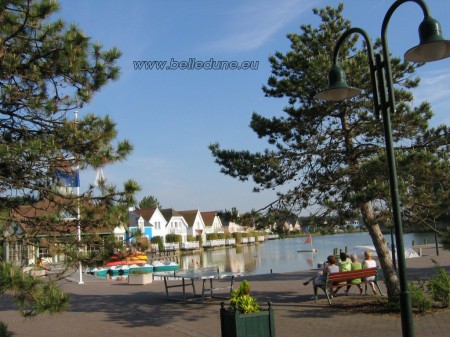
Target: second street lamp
(432,47)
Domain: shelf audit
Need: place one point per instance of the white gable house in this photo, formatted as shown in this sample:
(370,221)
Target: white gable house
(176,224)
(196,225)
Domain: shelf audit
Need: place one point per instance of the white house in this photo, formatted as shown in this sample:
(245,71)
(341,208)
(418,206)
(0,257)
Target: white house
(149,221)
(120,234)
(176,224)
(231,227)
(194,220)
(212,221)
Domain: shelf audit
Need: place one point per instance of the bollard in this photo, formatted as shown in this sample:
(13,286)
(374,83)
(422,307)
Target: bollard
(420,251)
(413,243)
(271,270)
(346,250)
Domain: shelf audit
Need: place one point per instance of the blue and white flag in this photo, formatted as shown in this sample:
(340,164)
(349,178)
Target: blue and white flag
(68,179)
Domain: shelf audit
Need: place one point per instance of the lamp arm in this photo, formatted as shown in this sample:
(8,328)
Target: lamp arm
(372,62)
(385,46)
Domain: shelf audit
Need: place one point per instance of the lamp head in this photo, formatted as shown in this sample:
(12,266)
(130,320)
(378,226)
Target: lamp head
(433,46)
(338,89)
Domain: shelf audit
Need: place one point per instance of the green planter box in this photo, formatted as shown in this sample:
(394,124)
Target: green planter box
(259,324)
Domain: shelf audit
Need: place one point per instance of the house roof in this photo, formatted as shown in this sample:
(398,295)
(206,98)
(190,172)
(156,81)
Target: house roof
(32,219)
(208,217)
(189,216)
(39,209)
(169,213)
(145,213)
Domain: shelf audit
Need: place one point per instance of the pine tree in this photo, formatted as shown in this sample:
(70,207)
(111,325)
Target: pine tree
(48,70)
(332,155)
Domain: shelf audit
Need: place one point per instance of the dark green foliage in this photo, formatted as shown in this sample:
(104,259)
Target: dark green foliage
(445,239)
(49,70)
(439,287)
(199,238)
(419,298)
(173,238)
(330,156)
(32,296)
(149,202)
(237,236)
(159,241)
(211,236)
(4,330)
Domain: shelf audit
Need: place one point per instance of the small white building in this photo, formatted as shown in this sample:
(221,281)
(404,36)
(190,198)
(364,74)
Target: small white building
(176,224)
(212,221)
(194,220)
(149,221)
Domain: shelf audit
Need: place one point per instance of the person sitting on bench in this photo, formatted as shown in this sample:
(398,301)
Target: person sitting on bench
(319,280)
(369,263)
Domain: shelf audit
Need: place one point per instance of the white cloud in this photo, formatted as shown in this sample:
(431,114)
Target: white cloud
(434,88)
(251,25)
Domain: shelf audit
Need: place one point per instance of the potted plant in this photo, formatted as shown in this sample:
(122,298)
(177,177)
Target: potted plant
(244,317)
(137,276)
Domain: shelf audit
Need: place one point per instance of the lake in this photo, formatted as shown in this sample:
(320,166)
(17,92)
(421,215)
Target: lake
(279,256)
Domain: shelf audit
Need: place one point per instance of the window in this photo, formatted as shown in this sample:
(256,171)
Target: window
(43,252)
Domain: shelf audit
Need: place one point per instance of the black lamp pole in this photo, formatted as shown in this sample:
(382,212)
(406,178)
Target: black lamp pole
(432,47)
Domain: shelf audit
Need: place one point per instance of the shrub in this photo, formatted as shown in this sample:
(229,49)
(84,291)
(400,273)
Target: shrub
(199,238)
(211,236)
(173,238)
(419,298)
(4,330)
(241,300)
(237,236)
(439,287)
(159,241)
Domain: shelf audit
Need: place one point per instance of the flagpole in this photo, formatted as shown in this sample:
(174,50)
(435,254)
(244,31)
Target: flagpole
(80,267)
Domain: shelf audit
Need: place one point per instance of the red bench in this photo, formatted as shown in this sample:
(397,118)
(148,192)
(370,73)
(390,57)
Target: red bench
(342,278)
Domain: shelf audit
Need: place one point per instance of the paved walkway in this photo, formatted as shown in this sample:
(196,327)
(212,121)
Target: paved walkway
(114,308)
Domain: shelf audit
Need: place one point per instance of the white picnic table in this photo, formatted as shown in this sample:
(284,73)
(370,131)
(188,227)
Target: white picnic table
(189,276)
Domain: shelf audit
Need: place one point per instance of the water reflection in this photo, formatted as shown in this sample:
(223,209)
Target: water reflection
(281,255)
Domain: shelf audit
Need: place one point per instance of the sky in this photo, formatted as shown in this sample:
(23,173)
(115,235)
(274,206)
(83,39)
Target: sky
(171,115)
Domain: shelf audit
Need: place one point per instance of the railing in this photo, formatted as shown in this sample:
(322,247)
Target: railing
(170,247)
(190,245)
(230,242)
(214,243)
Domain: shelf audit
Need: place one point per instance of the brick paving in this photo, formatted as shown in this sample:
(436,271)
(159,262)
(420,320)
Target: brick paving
(114,308)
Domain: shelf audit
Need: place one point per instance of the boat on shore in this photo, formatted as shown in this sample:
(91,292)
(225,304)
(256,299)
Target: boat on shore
(359,250)
(159,266)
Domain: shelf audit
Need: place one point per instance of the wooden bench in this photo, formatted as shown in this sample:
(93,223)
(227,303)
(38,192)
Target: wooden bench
(334,280)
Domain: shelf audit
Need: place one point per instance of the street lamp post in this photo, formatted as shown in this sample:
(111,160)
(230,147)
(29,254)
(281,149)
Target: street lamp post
(80,266)
(432,47)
